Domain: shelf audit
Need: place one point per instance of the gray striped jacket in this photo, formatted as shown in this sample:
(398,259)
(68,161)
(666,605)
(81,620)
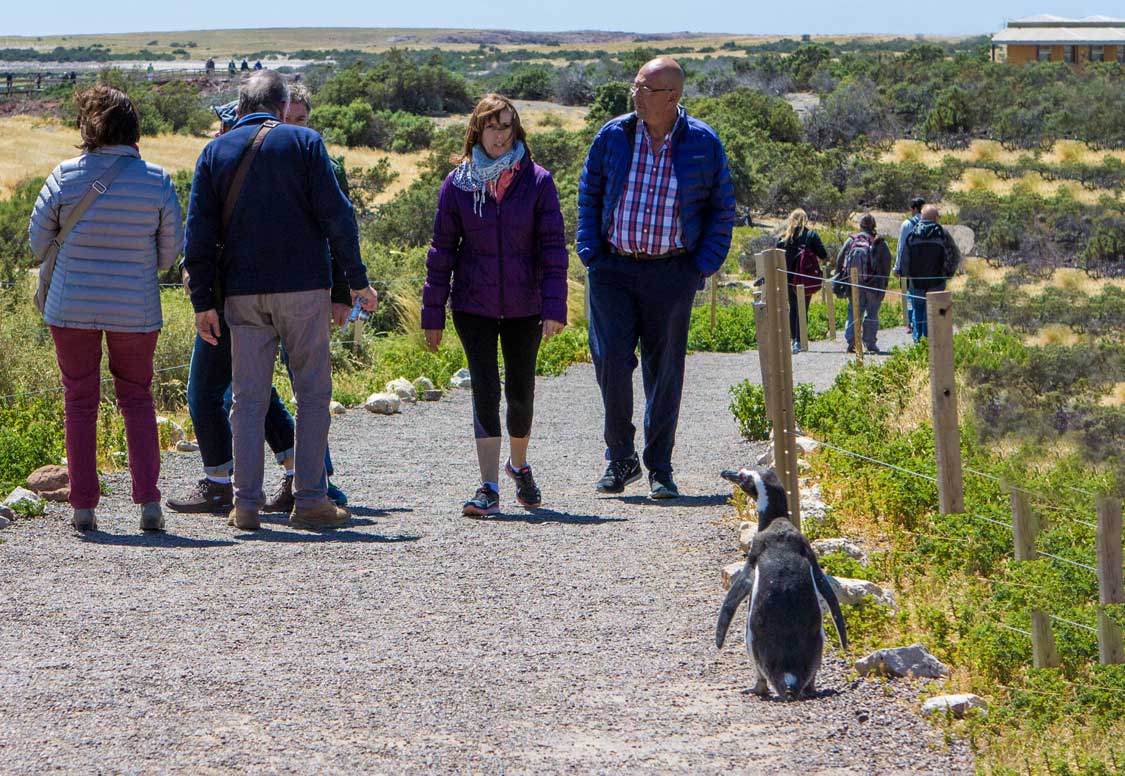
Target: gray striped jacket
(105,275)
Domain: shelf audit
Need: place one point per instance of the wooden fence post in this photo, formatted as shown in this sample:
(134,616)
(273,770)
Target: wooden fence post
(857,319)
(780,374)
(802,318)
(1111,585)
(714,299)
(829,302)
(1025,528)
(905,303)
(943,393)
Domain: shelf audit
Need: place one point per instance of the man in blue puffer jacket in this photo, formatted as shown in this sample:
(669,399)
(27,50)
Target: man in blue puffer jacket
(655,217)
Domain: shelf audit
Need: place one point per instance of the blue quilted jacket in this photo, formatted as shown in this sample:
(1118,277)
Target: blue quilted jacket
(704,189)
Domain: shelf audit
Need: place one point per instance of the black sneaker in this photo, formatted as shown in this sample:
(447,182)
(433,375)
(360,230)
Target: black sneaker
(527,492)
(662,487)
(485,502)
(206,496)
(282,498)
(619,474)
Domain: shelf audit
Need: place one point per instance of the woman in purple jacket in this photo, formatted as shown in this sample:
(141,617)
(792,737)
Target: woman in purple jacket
(499,233)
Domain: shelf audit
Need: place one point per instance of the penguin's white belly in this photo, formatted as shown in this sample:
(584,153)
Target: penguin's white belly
(749,612)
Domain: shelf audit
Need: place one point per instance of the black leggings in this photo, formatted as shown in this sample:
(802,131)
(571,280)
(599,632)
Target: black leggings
(519,340)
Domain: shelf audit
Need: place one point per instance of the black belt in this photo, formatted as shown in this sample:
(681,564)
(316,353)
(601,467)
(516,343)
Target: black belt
(641,256)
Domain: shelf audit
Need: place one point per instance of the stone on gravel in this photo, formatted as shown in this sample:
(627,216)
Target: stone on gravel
(423,384)
(22,494)
(730,572)
(4,522)
(461,379)
(746,533)
(956,705)
(766,458)
(336,408)
(914,660)
(8,513)
(382,403)
(850,592)
(807,445)
(175,431)
(829,546)
(184,446)
(48,478)
(403,389)
(434,394)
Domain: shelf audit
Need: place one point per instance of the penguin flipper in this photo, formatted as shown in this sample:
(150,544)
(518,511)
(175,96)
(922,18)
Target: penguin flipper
(824,587)
(742,586)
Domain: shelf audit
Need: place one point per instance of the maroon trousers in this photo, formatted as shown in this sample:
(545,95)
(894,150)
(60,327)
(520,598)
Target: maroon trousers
(79,353)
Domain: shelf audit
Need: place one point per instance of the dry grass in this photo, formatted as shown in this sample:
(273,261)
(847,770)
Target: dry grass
(32,147)
(1055,334)
(981,179)
(535,115)
(992,151)
(1115,397)
(1075,151)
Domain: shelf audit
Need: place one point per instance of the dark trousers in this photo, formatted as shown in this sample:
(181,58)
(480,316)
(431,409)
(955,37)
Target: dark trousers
(646,303)
(208,391)
(519,340)
(79,353)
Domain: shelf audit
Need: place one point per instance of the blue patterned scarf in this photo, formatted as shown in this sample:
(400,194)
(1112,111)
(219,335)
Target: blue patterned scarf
(477,173)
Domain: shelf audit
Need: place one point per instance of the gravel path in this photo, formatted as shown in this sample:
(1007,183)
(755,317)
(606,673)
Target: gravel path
(574,639)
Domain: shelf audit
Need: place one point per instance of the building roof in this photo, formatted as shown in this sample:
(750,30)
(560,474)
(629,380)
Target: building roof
(1047,29)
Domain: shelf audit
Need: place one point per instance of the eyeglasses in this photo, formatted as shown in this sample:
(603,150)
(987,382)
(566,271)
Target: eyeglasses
(645,90)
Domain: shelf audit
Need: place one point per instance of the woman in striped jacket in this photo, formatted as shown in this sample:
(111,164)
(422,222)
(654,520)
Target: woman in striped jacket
(105,281)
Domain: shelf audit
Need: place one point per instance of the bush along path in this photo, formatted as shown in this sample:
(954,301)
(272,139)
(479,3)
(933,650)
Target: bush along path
(574,638)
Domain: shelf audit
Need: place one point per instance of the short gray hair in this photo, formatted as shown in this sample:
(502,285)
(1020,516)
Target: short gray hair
(264,90)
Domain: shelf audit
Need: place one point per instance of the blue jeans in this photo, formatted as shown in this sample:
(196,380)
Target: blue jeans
(269,414)
(208,399)
(646,303)
(918,308)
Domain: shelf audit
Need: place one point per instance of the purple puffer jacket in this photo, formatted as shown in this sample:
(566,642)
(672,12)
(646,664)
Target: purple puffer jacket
(510,263)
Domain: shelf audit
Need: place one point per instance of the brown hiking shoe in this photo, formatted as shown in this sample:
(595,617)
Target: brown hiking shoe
(282,499)
(318,517)
(245,519)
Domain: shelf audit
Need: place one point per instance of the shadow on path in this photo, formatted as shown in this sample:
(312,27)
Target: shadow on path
(153,540)
(341,535)
(538,515)
(713,500)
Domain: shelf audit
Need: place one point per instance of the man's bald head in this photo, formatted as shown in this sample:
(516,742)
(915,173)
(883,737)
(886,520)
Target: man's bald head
(663,73)
(930,213)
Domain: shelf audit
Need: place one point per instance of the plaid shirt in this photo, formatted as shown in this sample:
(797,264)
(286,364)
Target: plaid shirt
(647,216)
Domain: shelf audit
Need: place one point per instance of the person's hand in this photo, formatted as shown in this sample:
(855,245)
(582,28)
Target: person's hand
(185,278)
(207,324)
(340,314)
(433,338)
(369,299)
(551,328)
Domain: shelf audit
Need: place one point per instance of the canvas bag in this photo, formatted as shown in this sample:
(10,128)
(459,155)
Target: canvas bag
(47,268)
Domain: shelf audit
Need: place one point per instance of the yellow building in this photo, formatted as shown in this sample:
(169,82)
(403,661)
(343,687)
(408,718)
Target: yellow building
(1057,39)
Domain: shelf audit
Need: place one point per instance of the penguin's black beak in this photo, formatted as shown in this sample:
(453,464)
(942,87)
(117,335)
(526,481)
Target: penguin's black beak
(732,475)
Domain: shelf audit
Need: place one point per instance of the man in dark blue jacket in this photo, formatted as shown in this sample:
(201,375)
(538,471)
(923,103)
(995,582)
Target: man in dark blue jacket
(655,217)
(274,269)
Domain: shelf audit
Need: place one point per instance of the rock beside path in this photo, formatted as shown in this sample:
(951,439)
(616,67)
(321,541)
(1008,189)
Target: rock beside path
(184,446)
(382,403)
(844,546)
(22,494)
(955,705)
(336,408)
(403,389)
(461,379)
(434,394)
(423,384)
(851,592)
(730,571)
(51,482)
(914,660)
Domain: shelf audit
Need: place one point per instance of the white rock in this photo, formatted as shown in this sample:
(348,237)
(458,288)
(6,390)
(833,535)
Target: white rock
(730,572)
(964,236)
(22,494)
(829,546)
(175,431)
(812,505)
(461,379)
(336,408)
(766,458)
(382,403)
(746,533)
(807,444)
(956,705)
(423,384)
(403,389)
(184,446)
(914,660)
(853,591)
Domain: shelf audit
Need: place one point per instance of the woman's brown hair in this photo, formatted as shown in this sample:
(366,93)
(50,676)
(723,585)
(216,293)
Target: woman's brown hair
(489,107)
(106,117)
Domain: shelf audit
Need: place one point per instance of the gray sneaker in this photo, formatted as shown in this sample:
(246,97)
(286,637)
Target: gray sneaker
(84,520)
(152,517)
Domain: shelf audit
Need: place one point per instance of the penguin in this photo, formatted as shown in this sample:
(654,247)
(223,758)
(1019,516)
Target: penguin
(784,632)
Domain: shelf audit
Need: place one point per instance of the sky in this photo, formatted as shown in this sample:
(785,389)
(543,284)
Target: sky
(794,17)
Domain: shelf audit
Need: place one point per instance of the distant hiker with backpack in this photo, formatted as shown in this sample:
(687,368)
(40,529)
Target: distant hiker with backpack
(871,256)
(803,253)
(904,231)
(931,257)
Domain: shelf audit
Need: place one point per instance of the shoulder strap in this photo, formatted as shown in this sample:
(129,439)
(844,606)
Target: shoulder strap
(97,188)
(244,163)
